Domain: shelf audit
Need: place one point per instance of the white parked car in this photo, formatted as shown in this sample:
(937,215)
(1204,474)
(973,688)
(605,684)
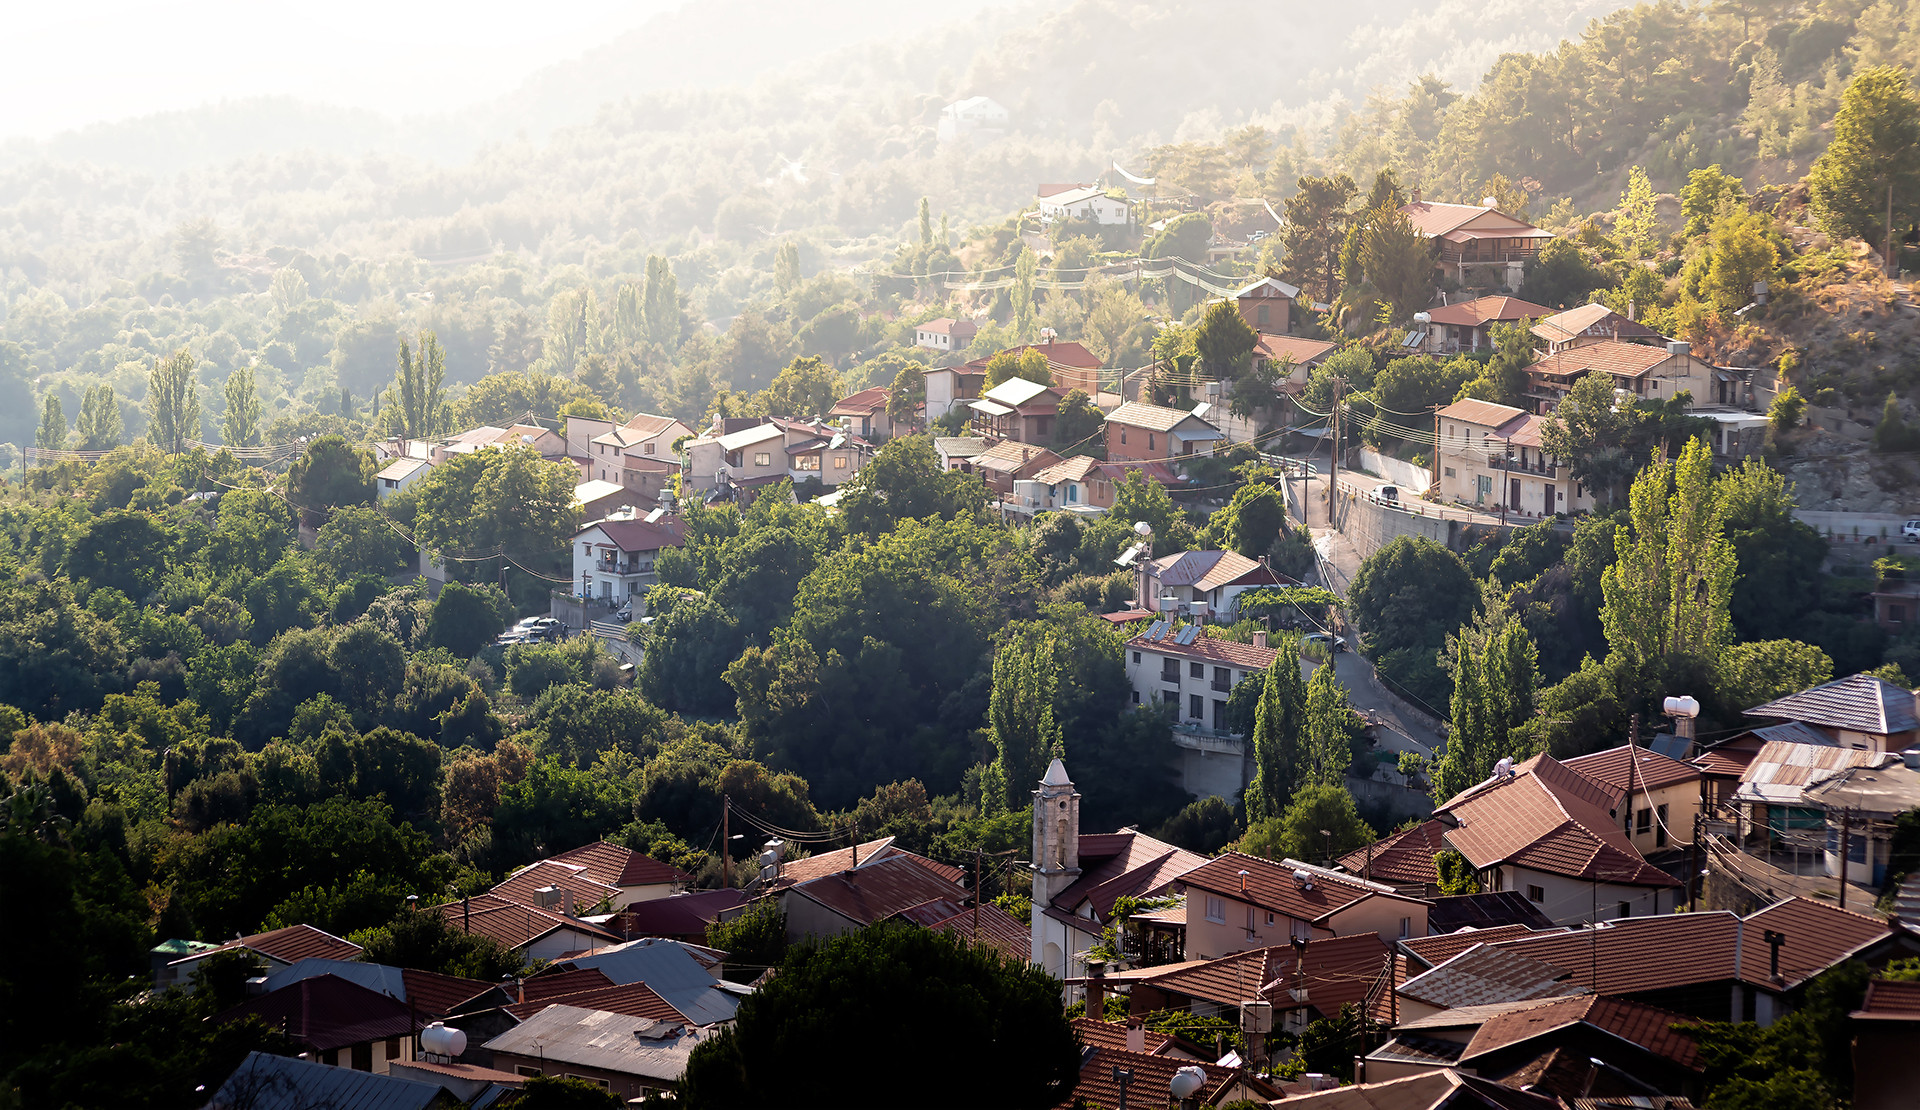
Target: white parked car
(1910,531)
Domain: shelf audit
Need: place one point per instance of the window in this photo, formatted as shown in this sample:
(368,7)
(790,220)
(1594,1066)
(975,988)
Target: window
(1249,920)
(1535,894)
(761,458)
(1626,910)
(587,550)
(1196,707)
(650,447)
(1136,697)
(806,462)
(1169,671)
(1123,433)
(839,462)
(1196,670)
(1222,678)
(1896,614)
(1406,927)
(1449,471)
(393,1048)
(362,1057)
(1269,917)
(1150,441)
(1260,314)
(1216,910)
(1136,657)
(1660,828)
(330,1057)
(1643,821)
(1219,715)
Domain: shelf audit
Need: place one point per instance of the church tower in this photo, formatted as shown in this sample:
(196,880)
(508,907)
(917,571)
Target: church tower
(1056,859)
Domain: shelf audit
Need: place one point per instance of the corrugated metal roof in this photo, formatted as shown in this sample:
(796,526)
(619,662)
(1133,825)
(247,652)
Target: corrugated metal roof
(602,1039)
(1436,950)
(877,892)
(1859,703)
(1646,1026)
(1782,772)
(1153,418)
(618,865)
(1486,910)
(1485,974)
(671,970)
(267,1082)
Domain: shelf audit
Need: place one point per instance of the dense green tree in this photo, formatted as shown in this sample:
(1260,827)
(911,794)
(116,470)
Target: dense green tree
(1279,725)
(1756,673)
(1503,380)
(1025,363)
(1669,589)
(905,480)
(1223,339)
(688,648)
(1299,832)
(466,618)
(330,473)
(99,427)
(359,539)
(1078,421)
(1315,228)
(173,403)
(1561,276)
(1589,430)
(967,998)
(1708,191)
(52,434)
(551,1092)
(122,549)
(1253,521)
(1398,262)
(1495,675)
(240,425)
(1204,826)
(1779,557)
(504,502)
(1875,152)
(1327,731)
(1637,222)
(755,941)
(369,666)
(1020,718)
(1411,593)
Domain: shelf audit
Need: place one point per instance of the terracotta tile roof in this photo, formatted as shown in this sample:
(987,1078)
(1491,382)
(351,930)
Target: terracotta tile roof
(1648,953)
(1205,570)
(616,865)
(289,945)
(1436,950)
(1075,469)
(1528,431)
(999,930)
(1442,1089)
(1013,457)
(1889,999)
(1549,818)
(554,984)
(1647,1026)
(632,999)
(1338,970)
(863,403)
(1405,858)
(1650,770)
(794,872)
(1061,352)
(1723,763)
(1484,974)
(1153,470)
(1272,885)
(638,534)
(1246,657)
(1293,348)
(1859,703)
(524,886)
(1591,319)
(1818,936)
(1097,1086)
(1152,418)
(1481,310)
(1129,862)
(1430,218)
(1622,360)
(947,325)
(515,924)
(1113,1035)
(327,1012)
(1481,414)
(438,995)
(875,892)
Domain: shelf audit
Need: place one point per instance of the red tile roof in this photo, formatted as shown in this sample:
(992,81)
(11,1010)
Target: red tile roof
(680,915)
(638,535)
(1246,657)
(1595,320)
(1113,1035)
(863,403)
(1338,971)
(633,1000)
(1130,863)
(1486,974)
(1889,999)
(1650,770)
(1549,818)
(616,865)
(1818,936)
(999,930)
(327,1012)
(553,984)
(438,995)
(1647,1026)
(515,924)
(1152,418)
(1622,360)
(1481,310)
(1481,414)
(1098,1087)
(1272,886)
(289,945)
(1062,352)
(1433,218)
(947,325)
(875,892)
(793,872)
(1013,457)
(524,887)
(1433,951)
(1404,858)
(1292,348)
(1649,953)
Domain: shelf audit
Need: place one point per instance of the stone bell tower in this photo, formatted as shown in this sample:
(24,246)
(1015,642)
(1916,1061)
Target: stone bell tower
(1056,855)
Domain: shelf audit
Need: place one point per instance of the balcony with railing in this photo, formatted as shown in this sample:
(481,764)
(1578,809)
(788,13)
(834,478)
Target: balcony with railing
(1529,466)
(606,565)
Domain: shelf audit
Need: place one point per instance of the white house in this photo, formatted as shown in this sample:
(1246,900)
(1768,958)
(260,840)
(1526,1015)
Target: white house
(613,558)
(945,334)
(1091,203)
(975,113)
(398,475)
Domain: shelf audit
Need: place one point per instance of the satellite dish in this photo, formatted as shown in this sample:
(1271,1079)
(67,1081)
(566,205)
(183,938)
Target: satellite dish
(1187,1082)
(1143,529)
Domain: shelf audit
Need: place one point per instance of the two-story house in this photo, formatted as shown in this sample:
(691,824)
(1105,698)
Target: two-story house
(945,335)
(1476,240)
(1647,372)
(1468,325)
(1862,712)
(613,558)
(865,413)
(1017,409)
(398,475)
(1193,675)
(1593,323)
(1071,364)
(1660,795)
(753,451)
(1237,903)
(1267,305)
(1203,583)
(639,454)
(1137,430)
(1492,457)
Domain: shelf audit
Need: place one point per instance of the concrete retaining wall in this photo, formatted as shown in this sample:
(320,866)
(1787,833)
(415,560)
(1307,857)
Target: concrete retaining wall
(1407,475)
(1854,527)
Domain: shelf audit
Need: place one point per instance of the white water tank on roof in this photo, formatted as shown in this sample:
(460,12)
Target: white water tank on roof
(443,1040)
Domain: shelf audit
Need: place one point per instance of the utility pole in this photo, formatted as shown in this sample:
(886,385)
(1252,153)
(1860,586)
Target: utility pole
(1333,477)
(1893,271)
(726,846)
(976,900)
(1693,865)
(1846,849)
(1436,448)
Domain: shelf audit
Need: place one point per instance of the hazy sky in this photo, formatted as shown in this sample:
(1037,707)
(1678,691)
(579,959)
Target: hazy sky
(66,63)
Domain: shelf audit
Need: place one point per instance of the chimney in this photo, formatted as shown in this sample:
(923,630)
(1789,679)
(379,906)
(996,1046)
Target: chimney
(1260,639)
(1633,311)
(566,901)
(1136,1036)
(1416,194)
(519,989)
(1097,990)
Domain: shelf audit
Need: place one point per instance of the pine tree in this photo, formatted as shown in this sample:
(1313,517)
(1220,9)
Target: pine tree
(241,425)
(52,435)
(1638,219)
(99,427)
(1328,722)
(1022,293)
(173,403)
(1277,723)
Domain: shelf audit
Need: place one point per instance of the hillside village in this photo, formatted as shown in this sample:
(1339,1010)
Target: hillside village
(1236,630)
